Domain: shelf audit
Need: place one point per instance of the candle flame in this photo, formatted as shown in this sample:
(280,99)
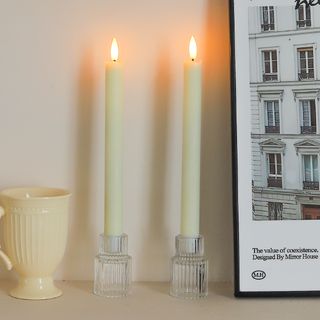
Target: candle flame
(193,48)
(114,50)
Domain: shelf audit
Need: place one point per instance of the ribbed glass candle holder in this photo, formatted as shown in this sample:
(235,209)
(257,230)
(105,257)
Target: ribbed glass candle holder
(189,270)
(112,277)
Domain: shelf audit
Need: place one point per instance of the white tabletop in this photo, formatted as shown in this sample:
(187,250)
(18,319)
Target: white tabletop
(151,301)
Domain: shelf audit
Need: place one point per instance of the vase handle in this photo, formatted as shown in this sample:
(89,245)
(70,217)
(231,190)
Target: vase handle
(3,256)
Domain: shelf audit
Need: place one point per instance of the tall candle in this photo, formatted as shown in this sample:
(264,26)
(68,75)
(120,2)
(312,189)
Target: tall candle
(190,197)
(113,144)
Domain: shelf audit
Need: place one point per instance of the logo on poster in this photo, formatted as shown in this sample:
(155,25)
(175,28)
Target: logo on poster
(307,3)
(258,275)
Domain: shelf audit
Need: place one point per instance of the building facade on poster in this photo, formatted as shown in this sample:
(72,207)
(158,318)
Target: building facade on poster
(285,111)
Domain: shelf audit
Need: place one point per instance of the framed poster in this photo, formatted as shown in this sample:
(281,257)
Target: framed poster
(276,146)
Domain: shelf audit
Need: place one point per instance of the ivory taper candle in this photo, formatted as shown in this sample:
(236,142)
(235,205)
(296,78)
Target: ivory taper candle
(190,197)
(113,141)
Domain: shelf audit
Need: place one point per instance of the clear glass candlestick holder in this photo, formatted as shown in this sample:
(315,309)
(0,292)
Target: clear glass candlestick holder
(189,268)
(112,278)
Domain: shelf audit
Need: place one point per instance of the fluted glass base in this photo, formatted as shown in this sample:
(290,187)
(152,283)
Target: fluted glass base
(189,270)
(112,277)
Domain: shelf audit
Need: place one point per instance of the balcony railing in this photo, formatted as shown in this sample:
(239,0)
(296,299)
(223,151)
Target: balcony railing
(272,129)
(310,185)
(304,23)
(270,77)
(308,129)
(306,75)
(274,182)
(267,27)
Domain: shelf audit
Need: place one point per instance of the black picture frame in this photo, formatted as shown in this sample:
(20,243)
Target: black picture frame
(235,187)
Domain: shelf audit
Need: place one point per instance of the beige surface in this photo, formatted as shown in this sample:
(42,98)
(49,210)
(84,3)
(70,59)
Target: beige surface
(151,301)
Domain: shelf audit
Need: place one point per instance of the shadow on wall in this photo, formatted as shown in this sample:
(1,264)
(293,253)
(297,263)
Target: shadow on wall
(81,238)
(156,256)
(216,175)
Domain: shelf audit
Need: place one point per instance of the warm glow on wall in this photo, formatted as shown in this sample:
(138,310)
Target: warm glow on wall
(114,50)
(193,49)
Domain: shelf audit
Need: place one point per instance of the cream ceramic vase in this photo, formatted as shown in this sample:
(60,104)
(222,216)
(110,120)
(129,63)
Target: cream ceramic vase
(34,232)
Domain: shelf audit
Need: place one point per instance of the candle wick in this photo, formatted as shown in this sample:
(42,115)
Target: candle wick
(114,60)
(192,59)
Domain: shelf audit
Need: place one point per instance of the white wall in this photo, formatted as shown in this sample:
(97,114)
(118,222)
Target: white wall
(52,56)
(286,45)
(285,19)
(286,40)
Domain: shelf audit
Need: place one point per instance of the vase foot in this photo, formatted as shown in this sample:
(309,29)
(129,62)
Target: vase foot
(36,289)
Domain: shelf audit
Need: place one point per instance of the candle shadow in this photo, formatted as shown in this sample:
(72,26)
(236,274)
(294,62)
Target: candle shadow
(81,239)
(223,289)
(156,245)
(216,175)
